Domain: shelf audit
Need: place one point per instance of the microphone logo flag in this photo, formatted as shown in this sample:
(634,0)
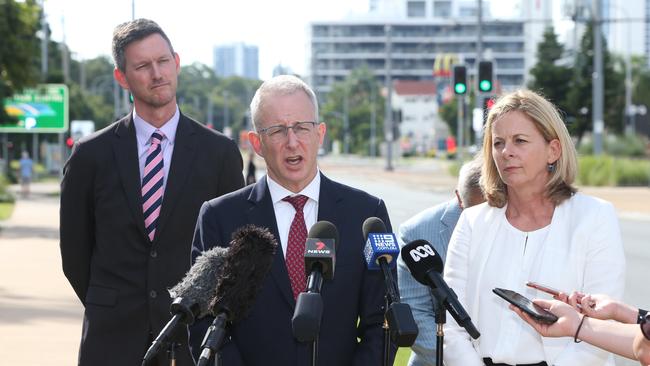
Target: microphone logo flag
(318,247)
(421,251)
(380,245)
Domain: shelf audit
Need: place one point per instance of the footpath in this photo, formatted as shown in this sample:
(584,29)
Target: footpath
(40,316)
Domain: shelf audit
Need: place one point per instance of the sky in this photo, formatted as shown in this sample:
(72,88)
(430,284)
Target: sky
(278,27)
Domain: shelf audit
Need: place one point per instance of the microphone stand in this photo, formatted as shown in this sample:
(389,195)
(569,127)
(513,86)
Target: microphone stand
(399,325)
(213,340)
(441,318)
(313,287)
(391,296)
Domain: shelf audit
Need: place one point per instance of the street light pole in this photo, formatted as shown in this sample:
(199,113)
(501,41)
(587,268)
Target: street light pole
(597,79)
(346,121)
(373,121)
(388,119)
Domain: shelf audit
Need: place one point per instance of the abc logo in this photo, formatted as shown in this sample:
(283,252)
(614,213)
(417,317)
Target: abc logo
(421,251)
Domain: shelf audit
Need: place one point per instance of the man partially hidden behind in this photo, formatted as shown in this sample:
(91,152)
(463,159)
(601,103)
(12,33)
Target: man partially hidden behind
(288,201)
(129,201)
(435,225)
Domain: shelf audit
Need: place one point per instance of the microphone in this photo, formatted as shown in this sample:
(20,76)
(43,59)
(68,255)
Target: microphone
(191,296)
(244,269)
(425,266)
(381,252)
(320,261)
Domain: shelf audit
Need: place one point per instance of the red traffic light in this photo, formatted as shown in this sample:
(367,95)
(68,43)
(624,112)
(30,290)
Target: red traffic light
(69,142)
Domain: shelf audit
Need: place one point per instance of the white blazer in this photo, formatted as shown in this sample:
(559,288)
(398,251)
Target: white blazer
(584,252)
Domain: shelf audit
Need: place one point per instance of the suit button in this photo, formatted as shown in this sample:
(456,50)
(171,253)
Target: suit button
(153,294)
(153,253)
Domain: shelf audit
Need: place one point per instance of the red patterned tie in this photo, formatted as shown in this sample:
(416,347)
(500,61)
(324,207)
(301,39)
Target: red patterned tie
(296,246)
(152,184)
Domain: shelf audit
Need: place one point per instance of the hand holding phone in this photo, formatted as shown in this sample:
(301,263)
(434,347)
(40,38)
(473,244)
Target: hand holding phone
(527,306)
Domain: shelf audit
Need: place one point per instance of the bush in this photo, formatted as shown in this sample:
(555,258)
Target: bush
(606,170)
(5,195)
(629,146)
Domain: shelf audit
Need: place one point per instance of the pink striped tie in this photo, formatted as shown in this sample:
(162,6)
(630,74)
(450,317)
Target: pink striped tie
(152,184)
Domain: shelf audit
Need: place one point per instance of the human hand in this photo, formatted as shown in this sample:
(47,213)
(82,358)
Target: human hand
(568,318)
(603,307)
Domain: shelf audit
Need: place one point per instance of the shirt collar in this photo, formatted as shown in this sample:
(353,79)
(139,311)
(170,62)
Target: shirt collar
(278,192)
(144,129)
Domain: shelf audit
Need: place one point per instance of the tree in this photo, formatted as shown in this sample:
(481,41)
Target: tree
(18,26)
(579,99)
(549,76)
(358,88)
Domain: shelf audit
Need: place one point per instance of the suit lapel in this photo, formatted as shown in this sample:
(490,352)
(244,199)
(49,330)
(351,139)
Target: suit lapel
(183,158)
(328,200)
(262,214)
(126,155)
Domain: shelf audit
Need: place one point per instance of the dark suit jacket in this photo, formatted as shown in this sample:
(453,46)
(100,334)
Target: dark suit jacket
(119,276)
(355,294)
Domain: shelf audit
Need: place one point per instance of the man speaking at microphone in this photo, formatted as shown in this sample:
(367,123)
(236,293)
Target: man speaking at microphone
(288,201)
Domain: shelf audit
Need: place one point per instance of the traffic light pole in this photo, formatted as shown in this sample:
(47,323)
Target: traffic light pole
(460,127)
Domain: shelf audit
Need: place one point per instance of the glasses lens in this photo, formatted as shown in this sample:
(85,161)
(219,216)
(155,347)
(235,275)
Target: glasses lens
(302,128)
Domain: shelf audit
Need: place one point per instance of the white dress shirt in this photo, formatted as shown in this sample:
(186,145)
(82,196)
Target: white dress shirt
(504,337)
(143,132)
(284,211)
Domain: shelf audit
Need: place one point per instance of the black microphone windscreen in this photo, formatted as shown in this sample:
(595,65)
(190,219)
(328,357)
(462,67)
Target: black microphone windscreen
(373,225)
(420,258)
(248,261)
(198,287)
(324,230)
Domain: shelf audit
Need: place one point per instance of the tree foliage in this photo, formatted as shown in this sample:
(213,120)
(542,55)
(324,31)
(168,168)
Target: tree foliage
(359,88)
(19,22)
(549,77)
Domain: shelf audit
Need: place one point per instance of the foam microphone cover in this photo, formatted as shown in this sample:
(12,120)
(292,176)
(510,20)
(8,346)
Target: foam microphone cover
(320,249)
(198,287)
(249,259)
(379,244)
(420,258)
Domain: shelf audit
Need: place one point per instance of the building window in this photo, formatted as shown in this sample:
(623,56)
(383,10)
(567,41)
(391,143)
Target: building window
(416,9)
(442,9)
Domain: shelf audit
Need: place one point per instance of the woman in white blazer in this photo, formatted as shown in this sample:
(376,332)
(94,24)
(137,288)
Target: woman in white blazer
(533,227)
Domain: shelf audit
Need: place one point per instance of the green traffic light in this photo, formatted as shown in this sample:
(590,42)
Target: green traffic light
(460,88)
(485,85)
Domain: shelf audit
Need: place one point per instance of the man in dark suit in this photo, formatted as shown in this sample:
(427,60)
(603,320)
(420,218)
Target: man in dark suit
(129,201)
(288,201)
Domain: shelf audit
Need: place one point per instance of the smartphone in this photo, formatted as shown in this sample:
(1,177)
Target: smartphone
(527,306)
(548,290)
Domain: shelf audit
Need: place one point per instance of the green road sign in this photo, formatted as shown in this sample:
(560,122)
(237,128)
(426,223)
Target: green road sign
(41,109)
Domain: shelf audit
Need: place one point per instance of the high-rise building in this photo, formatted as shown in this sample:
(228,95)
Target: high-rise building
(337,48)
(422,34)
(236,59)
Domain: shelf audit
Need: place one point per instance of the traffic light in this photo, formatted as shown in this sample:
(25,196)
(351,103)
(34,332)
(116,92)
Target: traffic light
(488,103)
(460,80)
(485,76)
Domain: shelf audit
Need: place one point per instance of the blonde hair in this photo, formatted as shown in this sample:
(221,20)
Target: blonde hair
(548,122)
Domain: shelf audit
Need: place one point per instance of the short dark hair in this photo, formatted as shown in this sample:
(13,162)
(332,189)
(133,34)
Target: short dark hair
(131,31)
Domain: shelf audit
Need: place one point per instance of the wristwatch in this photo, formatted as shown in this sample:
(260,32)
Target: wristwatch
(641,317)
(645,327)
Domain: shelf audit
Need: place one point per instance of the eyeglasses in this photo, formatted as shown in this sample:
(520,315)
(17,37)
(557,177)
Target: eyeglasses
(279,132)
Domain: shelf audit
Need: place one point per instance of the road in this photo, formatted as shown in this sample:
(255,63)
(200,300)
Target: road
(405,197)
(40,316)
